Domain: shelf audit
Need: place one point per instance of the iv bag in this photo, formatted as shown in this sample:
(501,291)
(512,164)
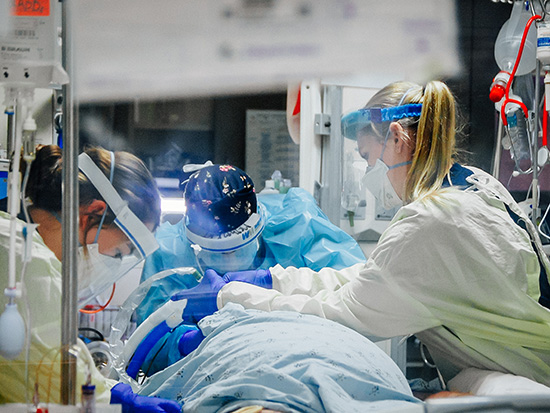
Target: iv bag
(509,40)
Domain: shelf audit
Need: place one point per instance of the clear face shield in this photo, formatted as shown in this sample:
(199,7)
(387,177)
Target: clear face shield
(358,126)
(235,250)
(358,122)
(96,271)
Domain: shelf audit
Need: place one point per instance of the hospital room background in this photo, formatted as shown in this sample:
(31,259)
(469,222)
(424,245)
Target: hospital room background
(272,108)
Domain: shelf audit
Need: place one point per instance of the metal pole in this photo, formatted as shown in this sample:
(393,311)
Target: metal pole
(534,149)
(11,131)
(332,162)
(69,308)
(498,148)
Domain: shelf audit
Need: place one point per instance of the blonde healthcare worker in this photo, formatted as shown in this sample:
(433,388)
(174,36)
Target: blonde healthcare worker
(119,207)
(459,265)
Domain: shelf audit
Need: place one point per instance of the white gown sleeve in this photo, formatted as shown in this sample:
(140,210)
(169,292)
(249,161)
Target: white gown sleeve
(364,297)
(311,282)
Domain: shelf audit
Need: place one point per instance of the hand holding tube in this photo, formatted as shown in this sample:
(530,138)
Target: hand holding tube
(202,299)
(261,278)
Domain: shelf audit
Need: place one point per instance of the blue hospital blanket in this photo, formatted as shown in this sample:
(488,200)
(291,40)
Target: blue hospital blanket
(283,361)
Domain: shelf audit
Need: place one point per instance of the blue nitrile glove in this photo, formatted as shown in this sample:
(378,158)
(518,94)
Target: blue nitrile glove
(134,403)
(165,352)
(202,299)
(261,278)
(189,341)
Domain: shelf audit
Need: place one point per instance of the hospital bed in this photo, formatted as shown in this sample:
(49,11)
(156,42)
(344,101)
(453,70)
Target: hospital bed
(492,392)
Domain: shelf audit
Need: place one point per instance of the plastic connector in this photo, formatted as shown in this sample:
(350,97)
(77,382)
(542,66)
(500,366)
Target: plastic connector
(28,139)
(13,293)
(498,87)
(496,93)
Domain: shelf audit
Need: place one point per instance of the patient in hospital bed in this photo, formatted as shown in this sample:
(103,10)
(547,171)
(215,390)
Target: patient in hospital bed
(287,361)
(282,361)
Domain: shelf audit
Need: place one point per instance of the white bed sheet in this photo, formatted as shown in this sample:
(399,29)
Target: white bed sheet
(493,383)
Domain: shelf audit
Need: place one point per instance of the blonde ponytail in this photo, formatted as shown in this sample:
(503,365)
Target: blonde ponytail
(435,142)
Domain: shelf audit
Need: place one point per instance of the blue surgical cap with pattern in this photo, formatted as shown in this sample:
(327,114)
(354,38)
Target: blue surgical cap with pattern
(219,198)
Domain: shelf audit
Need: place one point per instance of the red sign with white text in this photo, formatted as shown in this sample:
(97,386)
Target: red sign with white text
(31,8)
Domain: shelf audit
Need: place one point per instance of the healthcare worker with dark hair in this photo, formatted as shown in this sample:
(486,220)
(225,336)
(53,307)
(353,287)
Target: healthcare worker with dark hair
(119,207)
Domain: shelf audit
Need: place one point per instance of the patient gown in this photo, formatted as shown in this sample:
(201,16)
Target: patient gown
(284,361)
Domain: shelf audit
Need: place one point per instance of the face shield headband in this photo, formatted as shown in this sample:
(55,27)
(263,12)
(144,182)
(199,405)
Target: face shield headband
(235,250)
(97,271)
(232,240)
(357,120)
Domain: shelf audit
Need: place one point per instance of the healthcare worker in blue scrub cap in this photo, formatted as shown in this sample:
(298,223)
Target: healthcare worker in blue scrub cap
(228,227)
(461,265)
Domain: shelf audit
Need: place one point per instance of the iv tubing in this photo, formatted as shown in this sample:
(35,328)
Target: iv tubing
(14,199)
(534,147)
(544,125)
(101,308)
(516,64)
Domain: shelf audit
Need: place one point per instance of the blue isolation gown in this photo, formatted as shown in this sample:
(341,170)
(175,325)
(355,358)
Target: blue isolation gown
(297,233)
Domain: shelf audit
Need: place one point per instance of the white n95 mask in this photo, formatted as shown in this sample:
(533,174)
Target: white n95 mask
(96,271)
(377,182)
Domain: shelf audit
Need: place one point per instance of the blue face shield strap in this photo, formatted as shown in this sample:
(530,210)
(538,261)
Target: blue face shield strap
(379,115)
(111,174)
(400,111)
(359,119)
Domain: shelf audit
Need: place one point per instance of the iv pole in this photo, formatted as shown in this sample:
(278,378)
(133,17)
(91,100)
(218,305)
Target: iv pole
(69,307)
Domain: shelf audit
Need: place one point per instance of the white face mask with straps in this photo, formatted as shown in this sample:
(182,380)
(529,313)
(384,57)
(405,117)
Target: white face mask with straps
(377,182)
(233,251)
(376,178)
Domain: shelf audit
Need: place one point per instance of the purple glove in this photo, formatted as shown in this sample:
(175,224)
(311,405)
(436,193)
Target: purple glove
(189,341)
(202,299)
(133,403)
(261,278)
